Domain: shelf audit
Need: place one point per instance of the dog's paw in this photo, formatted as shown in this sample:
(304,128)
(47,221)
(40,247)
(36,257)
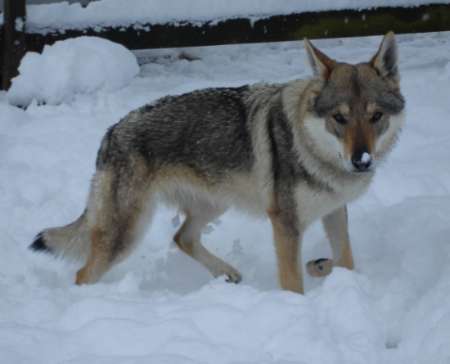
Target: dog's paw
(319,267)
(233,277)
(82,277)
(231,274)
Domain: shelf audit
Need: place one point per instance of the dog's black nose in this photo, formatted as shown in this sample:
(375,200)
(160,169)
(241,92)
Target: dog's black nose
(362,161)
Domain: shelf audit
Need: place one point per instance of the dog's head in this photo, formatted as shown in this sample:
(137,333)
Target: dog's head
(357,110)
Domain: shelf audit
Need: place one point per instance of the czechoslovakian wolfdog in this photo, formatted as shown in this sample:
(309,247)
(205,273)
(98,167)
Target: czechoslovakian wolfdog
(296,151)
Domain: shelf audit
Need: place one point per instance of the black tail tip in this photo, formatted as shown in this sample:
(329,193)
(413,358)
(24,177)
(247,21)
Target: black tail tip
(38,245)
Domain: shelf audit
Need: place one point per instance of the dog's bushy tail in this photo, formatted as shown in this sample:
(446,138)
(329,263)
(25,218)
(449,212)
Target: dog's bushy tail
(69,241)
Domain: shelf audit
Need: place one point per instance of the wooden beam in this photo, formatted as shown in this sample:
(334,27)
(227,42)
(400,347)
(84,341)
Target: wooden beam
(1,56)
(327,24)
(13,40)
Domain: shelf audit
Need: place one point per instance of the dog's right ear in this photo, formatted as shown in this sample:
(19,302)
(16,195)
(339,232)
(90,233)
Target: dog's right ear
(321,64)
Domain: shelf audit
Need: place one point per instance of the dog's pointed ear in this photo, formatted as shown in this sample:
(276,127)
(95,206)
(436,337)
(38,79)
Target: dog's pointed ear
(321,64)
(385,60)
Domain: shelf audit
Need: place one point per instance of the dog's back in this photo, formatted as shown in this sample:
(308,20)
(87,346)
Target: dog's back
(204,130)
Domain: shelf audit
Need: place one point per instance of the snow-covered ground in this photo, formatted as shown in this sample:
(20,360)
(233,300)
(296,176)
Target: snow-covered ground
(161,307)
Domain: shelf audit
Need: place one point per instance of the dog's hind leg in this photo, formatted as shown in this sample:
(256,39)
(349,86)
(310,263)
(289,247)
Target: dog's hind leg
(98,261)
(336,228)
(114,211)
(188,240)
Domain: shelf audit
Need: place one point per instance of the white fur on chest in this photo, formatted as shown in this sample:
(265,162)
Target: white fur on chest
(313,204)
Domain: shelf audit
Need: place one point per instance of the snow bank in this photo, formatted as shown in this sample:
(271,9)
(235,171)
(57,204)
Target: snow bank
(43,18)
(220,323)
(75,66)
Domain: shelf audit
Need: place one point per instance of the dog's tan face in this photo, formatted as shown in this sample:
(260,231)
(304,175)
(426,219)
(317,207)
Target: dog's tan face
(359,107)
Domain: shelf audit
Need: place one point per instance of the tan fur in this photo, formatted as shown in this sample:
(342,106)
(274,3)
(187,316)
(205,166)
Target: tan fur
(287,249)
(188,240)
(98,259)
(359,134)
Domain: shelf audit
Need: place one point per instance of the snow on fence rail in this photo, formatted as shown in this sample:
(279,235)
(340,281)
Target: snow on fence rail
(273,21)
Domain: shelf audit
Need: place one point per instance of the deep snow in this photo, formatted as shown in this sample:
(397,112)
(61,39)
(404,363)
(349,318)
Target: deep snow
(160,307)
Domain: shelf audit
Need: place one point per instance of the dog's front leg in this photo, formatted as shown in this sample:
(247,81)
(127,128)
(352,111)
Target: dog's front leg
(336,228)
(287,238)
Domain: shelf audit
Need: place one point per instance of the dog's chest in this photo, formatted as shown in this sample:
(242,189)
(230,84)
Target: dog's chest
(313,203)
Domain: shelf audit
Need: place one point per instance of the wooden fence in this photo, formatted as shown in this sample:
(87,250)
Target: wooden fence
(15,40)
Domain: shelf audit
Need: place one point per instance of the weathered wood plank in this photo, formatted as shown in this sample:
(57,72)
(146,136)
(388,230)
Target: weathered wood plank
(1,57)
(13,40)
(329,24)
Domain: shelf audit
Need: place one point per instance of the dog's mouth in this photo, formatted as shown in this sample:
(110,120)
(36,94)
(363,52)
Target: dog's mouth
(365,171)
(350,168)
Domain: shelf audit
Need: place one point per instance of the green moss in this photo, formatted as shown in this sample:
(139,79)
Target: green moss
(373,22)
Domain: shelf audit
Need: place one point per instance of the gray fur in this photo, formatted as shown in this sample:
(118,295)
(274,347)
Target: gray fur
(206,130)
(269,149)
(358,84)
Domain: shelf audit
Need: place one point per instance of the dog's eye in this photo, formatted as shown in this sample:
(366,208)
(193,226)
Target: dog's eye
(377,116)
(340,119)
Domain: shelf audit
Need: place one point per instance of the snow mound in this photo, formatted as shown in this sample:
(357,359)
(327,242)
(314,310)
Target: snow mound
(74,66)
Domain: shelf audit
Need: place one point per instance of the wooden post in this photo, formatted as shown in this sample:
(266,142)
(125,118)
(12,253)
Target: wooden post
(14,17)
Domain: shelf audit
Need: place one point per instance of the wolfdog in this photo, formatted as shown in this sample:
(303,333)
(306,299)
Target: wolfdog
(294,152)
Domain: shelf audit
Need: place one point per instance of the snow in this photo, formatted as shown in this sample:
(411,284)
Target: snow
(64,15)
(80,65)
(366,157)
(161,307)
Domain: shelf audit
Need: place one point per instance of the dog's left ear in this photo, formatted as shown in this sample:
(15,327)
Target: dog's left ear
(385,60)
(321,64)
